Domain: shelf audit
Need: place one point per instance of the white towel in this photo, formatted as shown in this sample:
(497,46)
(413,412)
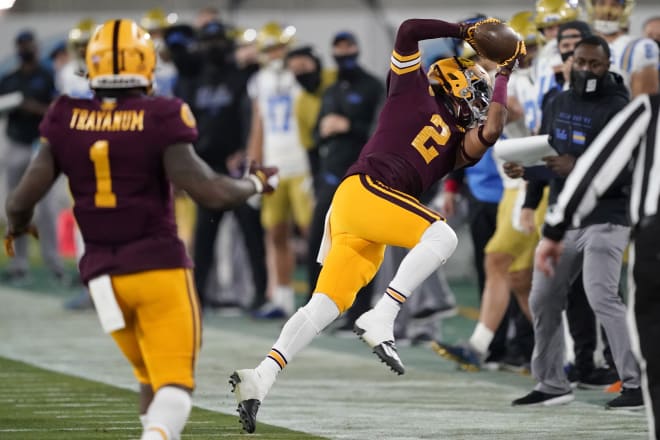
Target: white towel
(105,303)
(326,241)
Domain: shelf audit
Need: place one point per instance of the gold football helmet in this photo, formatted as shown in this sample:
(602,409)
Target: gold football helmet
(609,16)
(272,34)
(466,83)
(156,20)
(523,23)
(555,12)
(120,55)
(244,36)
(79,36)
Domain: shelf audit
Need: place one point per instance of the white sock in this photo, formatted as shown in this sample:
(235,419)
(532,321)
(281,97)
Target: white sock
(284,296)
(481,338)
(390,303)
(167,414)
(143,420)
(297,333)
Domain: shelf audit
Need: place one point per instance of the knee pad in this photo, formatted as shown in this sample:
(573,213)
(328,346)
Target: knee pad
(441,239)
(320,311)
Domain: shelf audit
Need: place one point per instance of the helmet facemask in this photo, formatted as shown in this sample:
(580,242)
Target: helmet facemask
(609,18)
(466,85)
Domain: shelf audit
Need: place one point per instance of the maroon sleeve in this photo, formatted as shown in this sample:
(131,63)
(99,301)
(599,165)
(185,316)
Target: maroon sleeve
(177,123)
(406,61)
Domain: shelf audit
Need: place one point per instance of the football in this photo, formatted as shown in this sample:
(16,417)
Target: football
(496,41)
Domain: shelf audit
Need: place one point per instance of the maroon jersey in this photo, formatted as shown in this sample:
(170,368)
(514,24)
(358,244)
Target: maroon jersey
(112,153)
(416,140)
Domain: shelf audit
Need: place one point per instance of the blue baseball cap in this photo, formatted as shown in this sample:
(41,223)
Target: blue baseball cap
(344,36)
(24,36)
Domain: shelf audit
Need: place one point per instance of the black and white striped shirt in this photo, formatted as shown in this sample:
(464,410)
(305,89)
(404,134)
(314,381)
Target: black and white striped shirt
(633,134)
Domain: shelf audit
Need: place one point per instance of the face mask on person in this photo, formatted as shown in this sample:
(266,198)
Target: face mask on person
(309,81)
(566,55)
(27,56)
(585,82)
(218,54)
(347,62)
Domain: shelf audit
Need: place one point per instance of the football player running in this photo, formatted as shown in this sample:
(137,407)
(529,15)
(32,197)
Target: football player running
(120,151)
(428,127)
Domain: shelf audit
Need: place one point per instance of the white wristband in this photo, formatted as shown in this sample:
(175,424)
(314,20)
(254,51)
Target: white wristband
(258,185)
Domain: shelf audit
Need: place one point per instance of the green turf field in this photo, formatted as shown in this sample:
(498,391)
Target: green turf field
(39,404)
(334,389)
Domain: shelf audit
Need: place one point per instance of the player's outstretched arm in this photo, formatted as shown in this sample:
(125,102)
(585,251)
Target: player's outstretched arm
(413,30)
(189,172)
(479,139)
(40,175)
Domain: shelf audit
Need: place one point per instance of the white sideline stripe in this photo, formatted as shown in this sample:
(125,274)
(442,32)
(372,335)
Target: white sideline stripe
(317,393)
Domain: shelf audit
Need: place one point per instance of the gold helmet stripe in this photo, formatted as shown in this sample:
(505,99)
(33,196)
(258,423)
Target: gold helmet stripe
(115,47)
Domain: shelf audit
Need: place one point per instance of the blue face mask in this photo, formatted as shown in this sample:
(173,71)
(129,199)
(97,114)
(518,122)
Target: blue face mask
(347,62)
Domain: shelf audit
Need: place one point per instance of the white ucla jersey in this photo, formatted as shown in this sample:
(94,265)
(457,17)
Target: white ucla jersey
(165,76)
(523,87)
(275,89)
(69,81)
(630,54)
(544,74)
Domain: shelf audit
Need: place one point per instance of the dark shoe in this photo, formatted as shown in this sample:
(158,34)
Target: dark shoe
(468,358)
(249,392)
(435,314)
(630,399)
(515,364)
(15,277)
(598,379)
(422,339)
(82,301)
(572,374)
(539,398)
(270,311)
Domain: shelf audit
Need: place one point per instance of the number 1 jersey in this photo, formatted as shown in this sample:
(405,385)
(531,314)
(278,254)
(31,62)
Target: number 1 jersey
(416,140)
(112,153)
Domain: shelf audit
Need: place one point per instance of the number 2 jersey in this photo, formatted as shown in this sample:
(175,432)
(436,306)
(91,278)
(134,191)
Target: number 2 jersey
(416,140)
(112,153)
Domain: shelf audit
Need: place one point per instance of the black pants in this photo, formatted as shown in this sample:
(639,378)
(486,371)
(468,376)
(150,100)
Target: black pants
(646,275)
(483,220)
(324,194)
(206,231)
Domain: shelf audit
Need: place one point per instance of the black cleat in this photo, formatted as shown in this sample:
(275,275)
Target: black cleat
(386,351)
(247,409)
(388,355)
(247,414)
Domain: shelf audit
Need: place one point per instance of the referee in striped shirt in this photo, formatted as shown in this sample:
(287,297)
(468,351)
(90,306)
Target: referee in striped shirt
(632,138)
